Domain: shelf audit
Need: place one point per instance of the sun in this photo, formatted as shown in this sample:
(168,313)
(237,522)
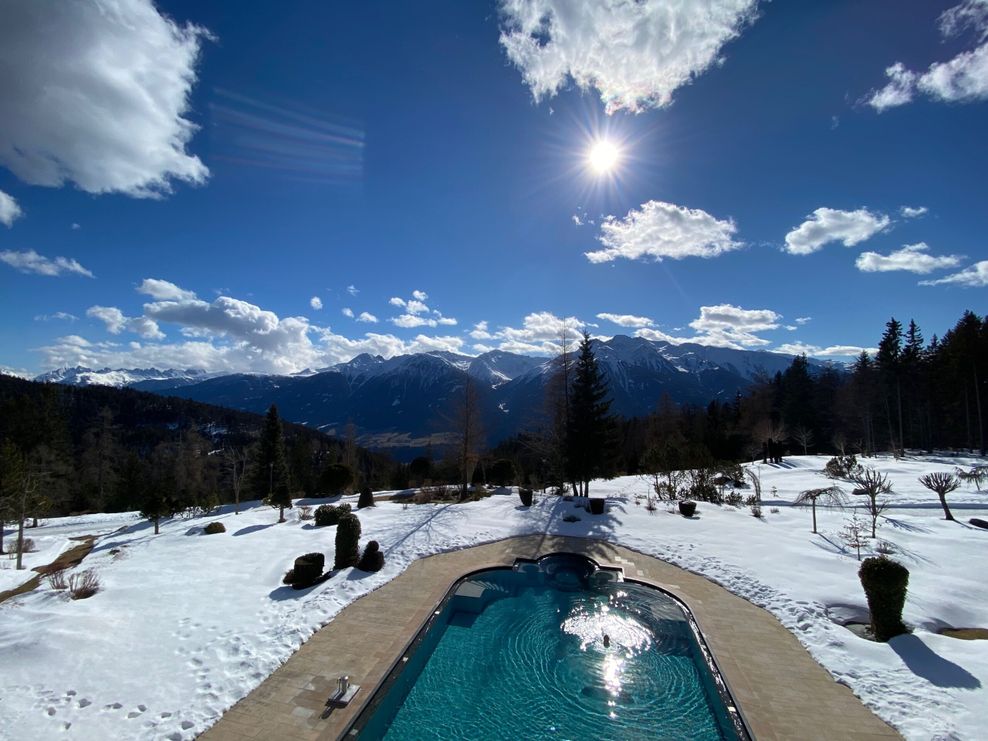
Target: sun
(603,156)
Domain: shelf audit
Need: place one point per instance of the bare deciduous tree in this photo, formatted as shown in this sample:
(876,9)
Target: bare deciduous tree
(942,484)
(829,495)
(803,436)
(873,484)
(236,459)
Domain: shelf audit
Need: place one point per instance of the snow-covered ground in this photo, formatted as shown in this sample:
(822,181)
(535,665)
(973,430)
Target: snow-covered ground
(187,624)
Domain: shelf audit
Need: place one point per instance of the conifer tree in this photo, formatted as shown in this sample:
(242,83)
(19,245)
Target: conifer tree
(589,433)
(271,472)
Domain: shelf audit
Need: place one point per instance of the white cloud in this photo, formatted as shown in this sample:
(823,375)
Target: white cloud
(63,316)
(912,258)
(75,227)
(395,301)
(10,211)
(97,94)
(635,54)
(480,332)
(116,322)
(31,262)
(626,320)
(832,225)
(975,276)
(347,311)
(577,220)
(726,325)
(316,303)
(912,212)
(415,306)
(163,290)
(447,321)
(657,335)
(791,327)
(352,290)
(420,295)
(658,230)
(833,351)
(367,317)
(407,321)
(963,78)
(803,320)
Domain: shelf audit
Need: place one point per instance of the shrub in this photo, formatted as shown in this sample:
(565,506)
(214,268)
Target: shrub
(307,569)
(347,542)
(327,514)
(885,583)
(756,511)
(305,512)
(439,493)
(84,584)
(289,577)
(734,499)
(214,527)
(373,559)
(366,497)
(842,467)
(526,497)
(56,579)
(335,478)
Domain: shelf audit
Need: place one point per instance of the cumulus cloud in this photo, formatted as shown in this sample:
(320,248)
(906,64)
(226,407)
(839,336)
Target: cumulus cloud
(975,276)
(480,332)
(963,78)
(912,258)
(316,303)
(31,262)
(635,54)
(347,311)
(626,320)
(658,230)
(97,94)
(912,212)
(832,225)
(420,295)
(10,211)
(417,313)
(367,317)
(163,290)
(727,325)
(816,351)
(352,290)
(116,322)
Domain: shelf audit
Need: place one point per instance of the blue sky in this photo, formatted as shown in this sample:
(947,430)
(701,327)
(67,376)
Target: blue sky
(186,186)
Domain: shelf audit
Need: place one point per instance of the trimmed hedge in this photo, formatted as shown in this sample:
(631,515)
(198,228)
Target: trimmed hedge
(366,497)
(213,528)
(347,542)
(307,569)
(328,514)
(373,559)
(885,583)
(526,497)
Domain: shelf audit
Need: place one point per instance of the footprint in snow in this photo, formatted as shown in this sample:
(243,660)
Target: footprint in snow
(187,724)
(84,703)
(113,706)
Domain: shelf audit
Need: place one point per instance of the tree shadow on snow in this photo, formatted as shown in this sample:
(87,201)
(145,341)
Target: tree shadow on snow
(923,662)
(253,529)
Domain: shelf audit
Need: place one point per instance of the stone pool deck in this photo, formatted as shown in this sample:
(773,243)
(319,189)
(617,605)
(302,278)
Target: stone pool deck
(781,691)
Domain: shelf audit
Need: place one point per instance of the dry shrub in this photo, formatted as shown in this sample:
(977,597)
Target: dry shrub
(84,584)
(56,579)
(305,512)
(438,493)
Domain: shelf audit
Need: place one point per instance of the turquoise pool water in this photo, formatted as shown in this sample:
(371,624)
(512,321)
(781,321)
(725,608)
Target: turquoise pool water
(522,654)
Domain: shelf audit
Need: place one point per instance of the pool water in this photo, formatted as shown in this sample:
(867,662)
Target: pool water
(523,655)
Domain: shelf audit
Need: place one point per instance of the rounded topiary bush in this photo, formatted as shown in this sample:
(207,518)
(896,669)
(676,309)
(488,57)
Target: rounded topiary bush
(327,514)
(885,583)
(373,559)
(347,542)
(366,497)
(214,527)
(307,569)
(526,497)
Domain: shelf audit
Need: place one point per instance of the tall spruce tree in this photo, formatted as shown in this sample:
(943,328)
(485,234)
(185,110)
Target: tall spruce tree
(271,474)
(589,433)
(889,359)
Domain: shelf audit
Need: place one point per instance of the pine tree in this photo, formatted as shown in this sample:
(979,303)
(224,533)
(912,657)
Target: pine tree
(889,360)
(589,438)
(271,474)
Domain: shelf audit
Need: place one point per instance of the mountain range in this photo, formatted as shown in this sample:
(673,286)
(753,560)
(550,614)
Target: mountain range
(405,403)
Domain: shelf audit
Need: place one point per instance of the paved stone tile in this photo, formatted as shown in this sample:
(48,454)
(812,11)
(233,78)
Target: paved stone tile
(780,690)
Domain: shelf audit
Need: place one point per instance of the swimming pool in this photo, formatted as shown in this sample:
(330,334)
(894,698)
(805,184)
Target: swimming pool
(553,649)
